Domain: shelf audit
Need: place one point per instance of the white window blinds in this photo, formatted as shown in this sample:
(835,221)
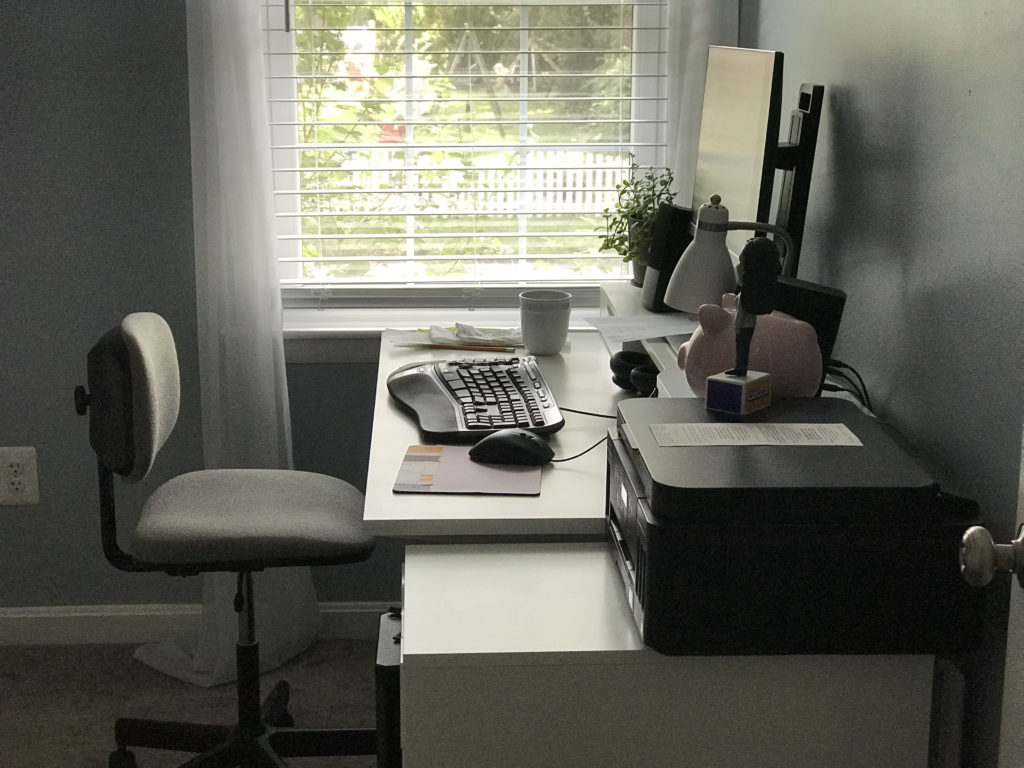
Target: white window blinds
(431,142)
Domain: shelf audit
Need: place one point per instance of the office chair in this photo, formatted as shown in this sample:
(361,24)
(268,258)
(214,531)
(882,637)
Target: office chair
(234,520)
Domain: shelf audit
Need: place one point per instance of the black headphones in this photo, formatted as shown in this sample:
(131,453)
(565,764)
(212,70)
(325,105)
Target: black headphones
(634,371)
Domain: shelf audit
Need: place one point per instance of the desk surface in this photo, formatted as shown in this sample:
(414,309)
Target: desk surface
(571,503)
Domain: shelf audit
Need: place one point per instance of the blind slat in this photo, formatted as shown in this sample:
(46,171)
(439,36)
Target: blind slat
(497,257)
(504,30)
(485,76)
(468,100)
(439,236)
(276,6)
(454,124)
(497,214)
(493,52)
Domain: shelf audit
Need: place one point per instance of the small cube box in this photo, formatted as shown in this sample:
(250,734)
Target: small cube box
(739,395)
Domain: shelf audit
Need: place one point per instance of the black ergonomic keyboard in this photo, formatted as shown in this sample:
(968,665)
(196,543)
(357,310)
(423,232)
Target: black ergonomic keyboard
(463,400)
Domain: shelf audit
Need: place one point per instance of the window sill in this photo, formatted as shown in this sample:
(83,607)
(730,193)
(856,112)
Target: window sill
(363,323)
(352,335)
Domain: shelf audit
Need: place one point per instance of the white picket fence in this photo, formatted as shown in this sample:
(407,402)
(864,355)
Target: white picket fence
(552,182)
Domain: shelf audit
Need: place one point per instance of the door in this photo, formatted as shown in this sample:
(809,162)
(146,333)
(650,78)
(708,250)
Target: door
(1011,739)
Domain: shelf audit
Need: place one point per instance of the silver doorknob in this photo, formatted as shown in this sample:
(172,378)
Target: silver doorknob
(980,557)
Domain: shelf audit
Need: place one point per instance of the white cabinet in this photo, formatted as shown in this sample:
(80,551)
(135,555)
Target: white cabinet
(523,655)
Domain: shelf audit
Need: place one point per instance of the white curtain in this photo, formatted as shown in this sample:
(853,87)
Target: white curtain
(242,374)
(693,25)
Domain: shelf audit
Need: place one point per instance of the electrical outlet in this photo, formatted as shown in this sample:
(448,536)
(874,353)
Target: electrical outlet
(19,482)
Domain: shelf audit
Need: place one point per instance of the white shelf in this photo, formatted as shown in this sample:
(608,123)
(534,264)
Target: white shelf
(535,602)
(623,300)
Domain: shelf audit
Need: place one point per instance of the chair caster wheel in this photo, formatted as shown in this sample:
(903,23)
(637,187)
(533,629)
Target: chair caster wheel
(279,720)
(122,758)
(274,711)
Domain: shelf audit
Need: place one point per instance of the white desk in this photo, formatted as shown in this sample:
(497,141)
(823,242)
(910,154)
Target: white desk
(572,494)
(523,654)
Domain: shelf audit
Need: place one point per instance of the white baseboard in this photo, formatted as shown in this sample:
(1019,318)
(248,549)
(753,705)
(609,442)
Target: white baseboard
(81,624)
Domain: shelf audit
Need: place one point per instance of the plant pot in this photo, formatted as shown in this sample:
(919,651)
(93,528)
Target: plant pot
(639,270)
(639,266)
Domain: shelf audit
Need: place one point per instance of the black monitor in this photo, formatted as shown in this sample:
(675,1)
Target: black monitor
(795,158)
(739,150)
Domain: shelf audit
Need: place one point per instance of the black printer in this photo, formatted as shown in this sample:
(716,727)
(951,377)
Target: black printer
(767,549)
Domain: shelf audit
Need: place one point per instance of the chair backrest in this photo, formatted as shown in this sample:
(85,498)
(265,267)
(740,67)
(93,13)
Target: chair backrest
(134,394)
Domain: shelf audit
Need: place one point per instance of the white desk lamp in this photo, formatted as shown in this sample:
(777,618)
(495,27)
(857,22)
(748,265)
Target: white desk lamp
(706,270)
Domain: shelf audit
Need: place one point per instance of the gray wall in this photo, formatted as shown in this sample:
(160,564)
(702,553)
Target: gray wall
(916,214)
(95,222)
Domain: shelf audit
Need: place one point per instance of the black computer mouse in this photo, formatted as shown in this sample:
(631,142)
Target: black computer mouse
(512,446)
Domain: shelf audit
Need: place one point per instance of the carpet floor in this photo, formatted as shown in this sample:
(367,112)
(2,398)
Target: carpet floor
(58,703)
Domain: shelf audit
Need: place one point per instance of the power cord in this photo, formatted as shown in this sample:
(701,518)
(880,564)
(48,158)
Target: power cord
(587,413)
(595,445)
(853,385)
(654,393)
(587,450)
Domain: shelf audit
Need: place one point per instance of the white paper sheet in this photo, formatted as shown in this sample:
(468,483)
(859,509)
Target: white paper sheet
(617,329)
(702,434)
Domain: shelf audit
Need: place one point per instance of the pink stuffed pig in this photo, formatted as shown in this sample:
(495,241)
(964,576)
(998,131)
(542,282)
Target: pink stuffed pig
(782,346)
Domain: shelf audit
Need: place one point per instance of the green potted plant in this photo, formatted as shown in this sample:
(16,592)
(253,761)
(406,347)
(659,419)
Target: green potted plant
(628,224)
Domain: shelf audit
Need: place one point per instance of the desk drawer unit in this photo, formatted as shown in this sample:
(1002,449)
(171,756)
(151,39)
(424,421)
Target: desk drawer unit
(524,656)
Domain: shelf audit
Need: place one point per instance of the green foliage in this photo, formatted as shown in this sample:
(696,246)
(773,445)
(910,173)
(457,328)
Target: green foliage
(628,225)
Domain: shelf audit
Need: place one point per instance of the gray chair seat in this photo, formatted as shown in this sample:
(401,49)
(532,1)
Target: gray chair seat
(251,518)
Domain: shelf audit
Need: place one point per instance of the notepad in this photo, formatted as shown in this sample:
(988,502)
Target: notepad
(448,469)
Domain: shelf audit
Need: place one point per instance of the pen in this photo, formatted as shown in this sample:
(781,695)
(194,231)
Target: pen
(463,347)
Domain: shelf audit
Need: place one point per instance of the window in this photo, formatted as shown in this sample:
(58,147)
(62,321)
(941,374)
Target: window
(436,143)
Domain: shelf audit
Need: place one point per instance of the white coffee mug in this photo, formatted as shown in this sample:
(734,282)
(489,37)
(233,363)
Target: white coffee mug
(544,319)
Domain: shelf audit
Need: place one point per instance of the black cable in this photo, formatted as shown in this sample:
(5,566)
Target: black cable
(851,385)
(588,450)
(587,413)
(861,386)
(832,371)
(841,364)
(848,390)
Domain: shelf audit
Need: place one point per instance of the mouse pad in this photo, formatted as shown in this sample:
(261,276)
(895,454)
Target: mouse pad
(448,469)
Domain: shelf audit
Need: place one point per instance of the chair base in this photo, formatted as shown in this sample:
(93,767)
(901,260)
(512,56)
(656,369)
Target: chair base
(218,746)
